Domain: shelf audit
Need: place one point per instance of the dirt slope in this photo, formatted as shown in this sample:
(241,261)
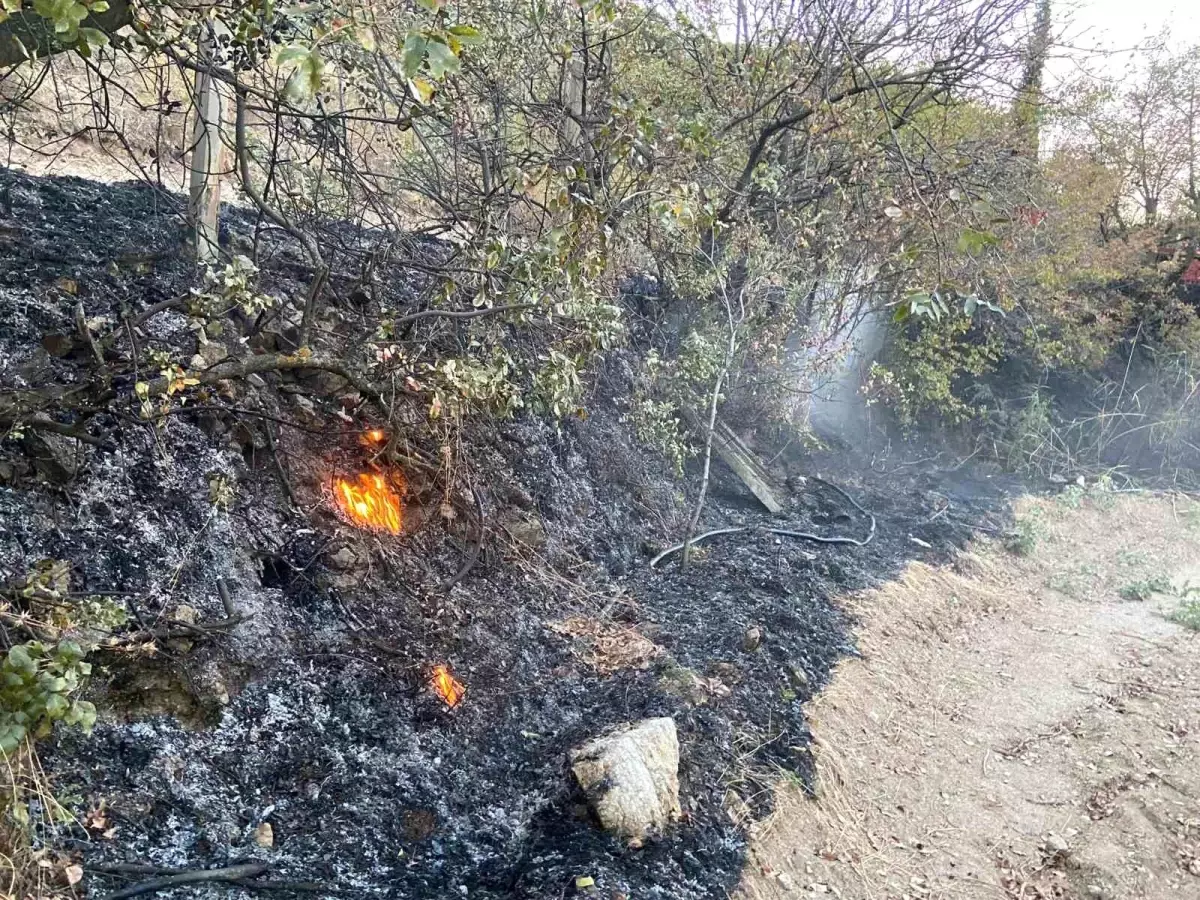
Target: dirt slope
(1015,727)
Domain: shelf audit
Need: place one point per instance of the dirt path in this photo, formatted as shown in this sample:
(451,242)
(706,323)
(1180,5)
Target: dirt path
(1016,727)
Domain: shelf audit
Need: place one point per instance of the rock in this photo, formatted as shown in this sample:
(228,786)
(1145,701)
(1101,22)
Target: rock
(186,614)
(57,457)
(631,777)
(752,639)
(525,528)
(264,835)
(680,681)
(57,344)
(212,352)
(343,560)
(798,678)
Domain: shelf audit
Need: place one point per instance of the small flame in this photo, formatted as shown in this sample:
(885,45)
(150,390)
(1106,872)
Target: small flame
(446,686)
(370,502)
(374,437)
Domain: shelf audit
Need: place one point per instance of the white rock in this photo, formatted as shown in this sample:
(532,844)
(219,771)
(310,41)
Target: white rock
(631,777)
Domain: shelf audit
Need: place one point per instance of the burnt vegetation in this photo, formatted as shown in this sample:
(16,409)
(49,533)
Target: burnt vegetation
(345,492)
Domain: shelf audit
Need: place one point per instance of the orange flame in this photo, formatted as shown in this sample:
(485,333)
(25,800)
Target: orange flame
(374,437)
(371,502)
(445,685)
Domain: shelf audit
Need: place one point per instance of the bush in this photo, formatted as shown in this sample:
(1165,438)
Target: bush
(1025,537)
(37,682)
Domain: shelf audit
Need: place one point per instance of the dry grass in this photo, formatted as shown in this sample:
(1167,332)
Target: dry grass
(608,646)
(28,810)
(917,796)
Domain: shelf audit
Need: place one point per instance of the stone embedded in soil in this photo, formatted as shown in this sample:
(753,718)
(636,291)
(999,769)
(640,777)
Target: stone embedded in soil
(752,639)
(631,777)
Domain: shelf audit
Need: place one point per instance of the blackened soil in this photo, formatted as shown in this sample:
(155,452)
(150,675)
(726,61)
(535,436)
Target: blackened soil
(315,716)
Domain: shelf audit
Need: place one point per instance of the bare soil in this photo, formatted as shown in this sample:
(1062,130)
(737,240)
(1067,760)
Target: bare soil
(1014,728)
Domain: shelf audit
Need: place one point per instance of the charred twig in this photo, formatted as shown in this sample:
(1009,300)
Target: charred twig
(243,367)
(86,334)
(41,423)
(229,875)
(177,630)
(283,478)
(257,884)
(231,611)
(478,548)
(311,248)
(151,311)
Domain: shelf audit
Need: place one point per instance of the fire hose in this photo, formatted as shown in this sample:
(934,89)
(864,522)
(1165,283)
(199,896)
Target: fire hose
(783,532)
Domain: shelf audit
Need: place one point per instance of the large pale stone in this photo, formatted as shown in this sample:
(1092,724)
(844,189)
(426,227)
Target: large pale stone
(631,777)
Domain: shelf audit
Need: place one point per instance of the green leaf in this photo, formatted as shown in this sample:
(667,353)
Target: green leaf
(422,90)
(441,59)
(94,37)
(974,242)
(84,714)
(100,6)
(291,56)
(414,53)
(467,34)
(19,660)
(57,706)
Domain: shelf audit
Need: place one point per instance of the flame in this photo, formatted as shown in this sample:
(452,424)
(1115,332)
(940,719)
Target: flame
(446,686)
(374,437)
(370,502)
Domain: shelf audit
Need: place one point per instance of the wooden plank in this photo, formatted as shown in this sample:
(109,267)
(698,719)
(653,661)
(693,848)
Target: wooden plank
(735,454)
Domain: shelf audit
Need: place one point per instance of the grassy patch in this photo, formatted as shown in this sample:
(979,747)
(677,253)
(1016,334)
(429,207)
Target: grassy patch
(1187,614)
(1145,588)
(1133,559)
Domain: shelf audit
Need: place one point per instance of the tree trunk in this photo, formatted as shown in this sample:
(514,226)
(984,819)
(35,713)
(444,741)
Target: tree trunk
(708,442)
(205,177)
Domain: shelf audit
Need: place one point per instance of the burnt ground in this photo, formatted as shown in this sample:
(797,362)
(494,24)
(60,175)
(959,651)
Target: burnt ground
(315,715)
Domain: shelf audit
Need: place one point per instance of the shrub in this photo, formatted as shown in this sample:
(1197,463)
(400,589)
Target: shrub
(1025,537)
(1146,588)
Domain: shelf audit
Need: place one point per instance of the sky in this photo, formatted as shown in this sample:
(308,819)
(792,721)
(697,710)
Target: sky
(1101,33)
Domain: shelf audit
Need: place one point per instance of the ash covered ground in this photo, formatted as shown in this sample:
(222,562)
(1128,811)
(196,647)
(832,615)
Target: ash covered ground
(314,715)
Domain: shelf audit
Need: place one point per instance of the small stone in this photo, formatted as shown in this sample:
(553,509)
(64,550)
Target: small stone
(256,380)
(212,352)
(264,835)
(752,639)
(525,528)
(798,678)
(197,362)
(186,614)
(57,344)
(1057,843)
(344,559)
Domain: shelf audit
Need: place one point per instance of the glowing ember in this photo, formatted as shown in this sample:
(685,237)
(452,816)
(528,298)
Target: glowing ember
(374,436)
(371,502)
(446,687)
